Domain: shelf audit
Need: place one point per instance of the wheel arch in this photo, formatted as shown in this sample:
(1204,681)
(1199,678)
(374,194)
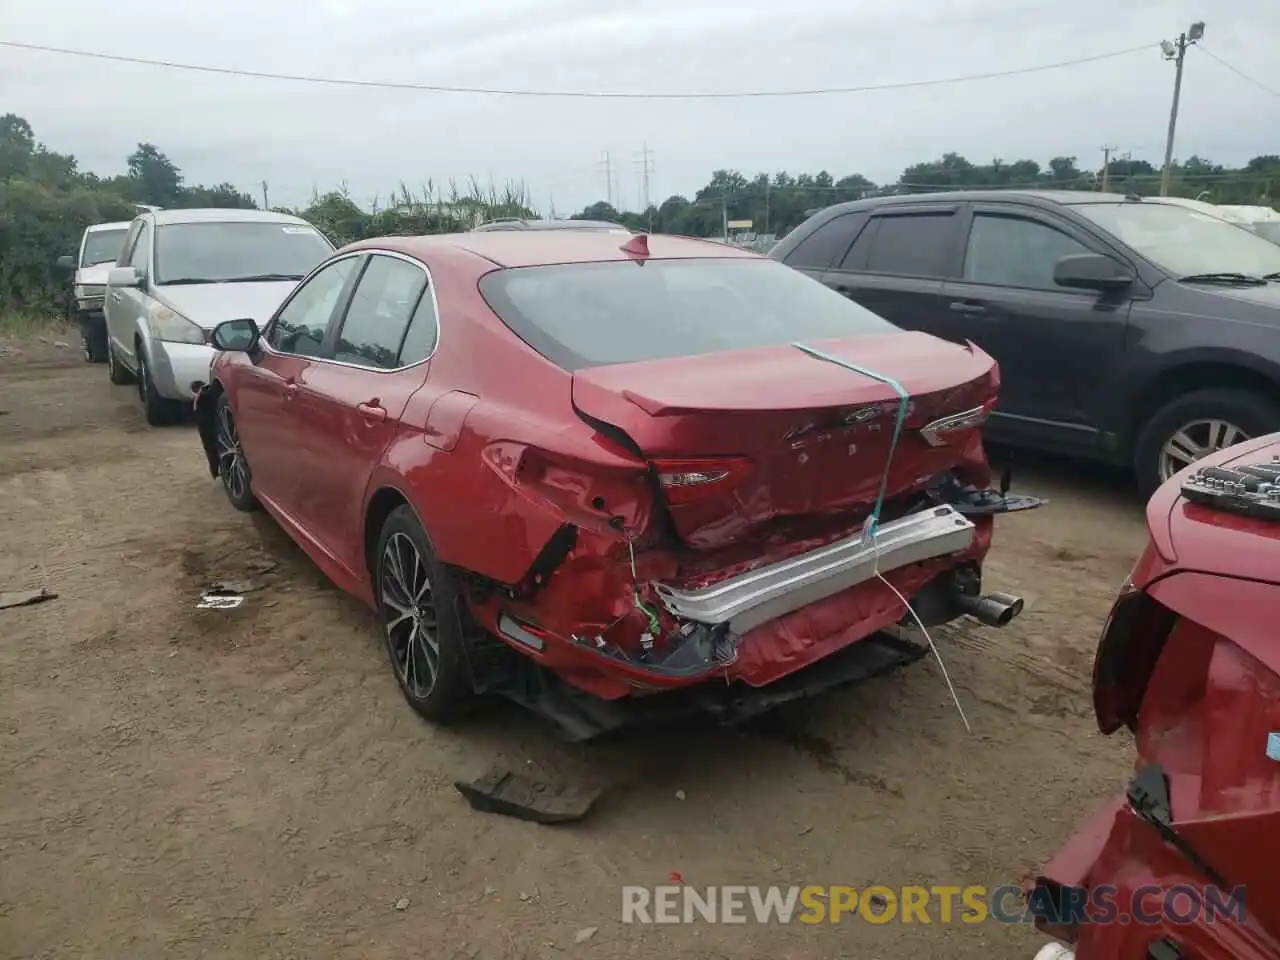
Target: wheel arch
(206,404)
(384,501)
(1182,378)
(141,342)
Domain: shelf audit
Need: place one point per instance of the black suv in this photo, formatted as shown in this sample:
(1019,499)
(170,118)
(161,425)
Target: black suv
(1140,333)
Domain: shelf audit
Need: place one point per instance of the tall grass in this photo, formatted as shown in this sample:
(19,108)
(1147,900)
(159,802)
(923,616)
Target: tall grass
(26,324)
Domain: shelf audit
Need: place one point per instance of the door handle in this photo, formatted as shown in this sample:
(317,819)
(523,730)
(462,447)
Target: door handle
(372,410)
(959,306)
(290,389)
(116,296)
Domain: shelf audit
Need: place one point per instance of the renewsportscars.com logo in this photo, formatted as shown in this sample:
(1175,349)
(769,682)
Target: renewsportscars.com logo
(1179,905)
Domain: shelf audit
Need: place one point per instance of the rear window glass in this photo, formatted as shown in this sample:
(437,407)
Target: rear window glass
(592,314)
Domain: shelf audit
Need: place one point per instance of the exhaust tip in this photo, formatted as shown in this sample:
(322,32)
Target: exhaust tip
(995,609)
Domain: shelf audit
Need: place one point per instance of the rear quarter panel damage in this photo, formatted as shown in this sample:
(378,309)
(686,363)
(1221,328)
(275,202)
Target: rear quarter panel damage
(491,502)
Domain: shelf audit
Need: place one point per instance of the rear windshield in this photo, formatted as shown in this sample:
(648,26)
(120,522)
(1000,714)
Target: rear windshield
(590,314)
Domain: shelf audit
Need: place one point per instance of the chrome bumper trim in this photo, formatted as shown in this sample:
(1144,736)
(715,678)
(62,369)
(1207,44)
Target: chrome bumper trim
(753,598)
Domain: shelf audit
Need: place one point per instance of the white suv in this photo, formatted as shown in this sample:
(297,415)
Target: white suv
(180,274)
(99,249)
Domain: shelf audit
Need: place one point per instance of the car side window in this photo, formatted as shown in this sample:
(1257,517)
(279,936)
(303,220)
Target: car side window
(300,327)
(424,332)
(911,244)
(856,257)
(384,301)
(130,241)
(141,255)
(827,244)
(1010,251)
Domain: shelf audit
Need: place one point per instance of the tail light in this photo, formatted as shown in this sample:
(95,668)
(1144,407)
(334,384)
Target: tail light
(940,432)
(1131,642)
(692,479)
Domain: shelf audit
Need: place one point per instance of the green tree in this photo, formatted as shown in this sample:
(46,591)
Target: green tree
(16,145)
(224,195)
(154,178)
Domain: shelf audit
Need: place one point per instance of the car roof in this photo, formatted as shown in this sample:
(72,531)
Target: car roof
(1039,197)
(520,248)
(223,215)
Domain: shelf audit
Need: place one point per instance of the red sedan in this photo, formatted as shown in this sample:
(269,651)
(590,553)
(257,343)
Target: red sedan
(579,467)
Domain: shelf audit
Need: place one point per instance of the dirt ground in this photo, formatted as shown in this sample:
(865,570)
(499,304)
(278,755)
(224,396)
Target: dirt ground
(182,783)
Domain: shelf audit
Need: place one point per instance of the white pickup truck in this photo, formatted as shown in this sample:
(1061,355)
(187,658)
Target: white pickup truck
(99,249)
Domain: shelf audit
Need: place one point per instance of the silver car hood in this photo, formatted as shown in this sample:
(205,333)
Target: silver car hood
(208,304)
(94,275)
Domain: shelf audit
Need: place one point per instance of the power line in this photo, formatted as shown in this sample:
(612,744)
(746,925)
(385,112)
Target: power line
(589,94)
(1239,73)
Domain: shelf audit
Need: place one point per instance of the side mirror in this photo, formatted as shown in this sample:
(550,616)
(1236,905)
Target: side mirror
(124,277)
(1092,271)
(239,335)
(67,263)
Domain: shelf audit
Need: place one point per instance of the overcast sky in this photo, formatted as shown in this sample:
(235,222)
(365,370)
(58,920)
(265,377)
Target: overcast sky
(298,136)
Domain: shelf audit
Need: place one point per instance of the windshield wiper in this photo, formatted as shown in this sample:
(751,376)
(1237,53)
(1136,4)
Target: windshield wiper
(177,281)
(1223,278)
(1271,276)
(263,278)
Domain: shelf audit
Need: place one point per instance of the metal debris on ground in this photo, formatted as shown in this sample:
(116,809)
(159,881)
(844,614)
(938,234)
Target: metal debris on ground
(218,600)
(402,903)
(236,586)
(510,794)
(585,934)
(229,594)
(24,598)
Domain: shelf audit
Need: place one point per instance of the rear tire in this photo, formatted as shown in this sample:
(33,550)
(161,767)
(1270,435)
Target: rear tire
(160,411)
(421,607)
(116,372)
(233,468)
(1196,424)
(94,342)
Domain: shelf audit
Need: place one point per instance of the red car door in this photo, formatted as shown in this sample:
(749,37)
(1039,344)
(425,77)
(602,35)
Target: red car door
(348,410)
(265,391)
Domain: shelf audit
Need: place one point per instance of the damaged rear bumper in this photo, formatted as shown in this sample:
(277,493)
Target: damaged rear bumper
(762,595)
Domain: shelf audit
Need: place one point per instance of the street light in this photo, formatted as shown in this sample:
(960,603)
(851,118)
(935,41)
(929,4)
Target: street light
(1177,52)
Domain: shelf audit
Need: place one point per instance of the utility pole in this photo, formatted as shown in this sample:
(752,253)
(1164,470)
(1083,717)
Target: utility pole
(265,205)
(644,182)
(606,164)
(767,184)
(724,216)
(1177,52)
(1106,168)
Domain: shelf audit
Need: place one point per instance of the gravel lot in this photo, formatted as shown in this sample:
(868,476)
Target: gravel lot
(177,782)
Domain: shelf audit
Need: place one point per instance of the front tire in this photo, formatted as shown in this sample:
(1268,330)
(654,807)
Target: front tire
(233,468)
(1195,425)
(160,411)
(421,606)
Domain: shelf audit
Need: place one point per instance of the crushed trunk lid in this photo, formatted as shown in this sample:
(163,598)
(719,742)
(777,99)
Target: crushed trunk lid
(739,438)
